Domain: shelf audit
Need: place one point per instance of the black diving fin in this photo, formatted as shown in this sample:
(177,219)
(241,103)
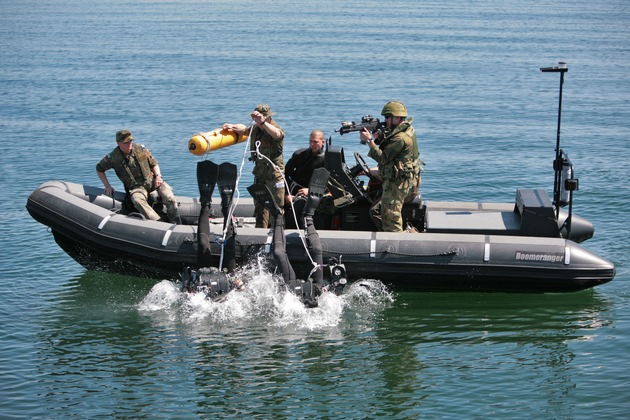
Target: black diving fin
(228,175)
(227,184)
(261,192)
(207,174)
(316,190)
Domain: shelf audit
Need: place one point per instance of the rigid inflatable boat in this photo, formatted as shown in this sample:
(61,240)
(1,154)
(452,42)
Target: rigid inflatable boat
(529,245)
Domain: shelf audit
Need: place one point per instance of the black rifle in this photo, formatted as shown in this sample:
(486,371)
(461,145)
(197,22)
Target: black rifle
(367,121)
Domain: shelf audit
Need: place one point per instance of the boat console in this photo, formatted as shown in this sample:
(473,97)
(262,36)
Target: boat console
(348,188)
(353,198)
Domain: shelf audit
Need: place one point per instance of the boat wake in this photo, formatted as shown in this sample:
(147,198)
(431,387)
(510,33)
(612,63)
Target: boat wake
(265,300)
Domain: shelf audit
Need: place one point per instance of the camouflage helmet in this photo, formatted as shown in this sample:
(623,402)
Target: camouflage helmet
(394,108)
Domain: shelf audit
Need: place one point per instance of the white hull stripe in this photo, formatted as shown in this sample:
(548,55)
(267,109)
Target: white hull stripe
(105,220)
(166,236)
(268,243)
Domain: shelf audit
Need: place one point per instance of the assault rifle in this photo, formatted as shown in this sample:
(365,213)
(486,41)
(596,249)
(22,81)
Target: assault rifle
(367,121)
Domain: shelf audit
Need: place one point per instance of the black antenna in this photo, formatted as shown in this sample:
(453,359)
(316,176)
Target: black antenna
(561,68)
(562,162)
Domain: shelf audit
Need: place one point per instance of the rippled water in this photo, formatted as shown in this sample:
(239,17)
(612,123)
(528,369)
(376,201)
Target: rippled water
(88,344)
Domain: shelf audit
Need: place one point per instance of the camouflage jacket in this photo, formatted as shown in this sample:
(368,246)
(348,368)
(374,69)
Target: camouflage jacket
(135,170)
(397,154)
(270,147)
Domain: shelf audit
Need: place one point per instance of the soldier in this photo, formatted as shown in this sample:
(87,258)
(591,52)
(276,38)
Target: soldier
(270,137)
(298,172)
(398,165)
(140,173)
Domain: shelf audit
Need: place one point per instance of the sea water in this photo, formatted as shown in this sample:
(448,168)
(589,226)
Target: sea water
(84,344)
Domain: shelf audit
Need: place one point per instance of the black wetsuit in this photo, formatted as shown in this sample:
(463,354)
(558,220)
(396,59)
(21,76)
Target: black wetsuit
(298,171)
(300,167)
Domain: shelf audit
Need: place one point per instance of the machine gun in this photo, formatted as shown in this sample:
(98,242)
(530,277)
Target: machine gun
(367,121)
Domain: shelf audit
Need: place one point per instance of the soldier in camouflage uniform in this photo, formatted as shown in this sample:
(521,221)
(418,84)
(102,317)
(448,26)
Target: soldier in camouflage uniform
(271,138)
(140,174)
(398,166)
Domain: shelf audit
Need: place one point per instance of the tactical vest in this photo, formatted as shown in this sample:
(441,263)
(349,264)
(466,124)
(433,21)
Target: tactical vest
(124,172)
(406,163)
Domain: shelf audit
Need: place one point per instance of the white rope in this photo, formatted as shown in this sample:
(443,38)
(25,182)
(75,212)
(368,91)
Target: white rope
(234,203)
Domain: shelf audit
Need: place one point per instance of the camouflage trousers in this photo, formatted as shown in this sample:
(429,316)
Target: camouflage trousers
(387,212)
(263,216)
(140,199)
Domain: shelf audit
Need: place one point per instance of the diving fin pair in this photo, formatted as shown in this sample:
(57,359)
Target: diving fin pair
(209,174)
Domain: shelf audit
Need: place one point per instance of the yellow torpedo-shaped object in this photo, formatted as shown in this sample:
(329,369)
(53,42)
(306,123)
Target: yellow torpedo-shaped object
(202,143)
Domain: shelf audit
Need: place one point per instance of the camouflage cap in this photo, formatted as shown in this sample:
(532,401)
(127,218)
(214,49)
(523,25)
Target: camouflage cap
(264,109)
(124,136)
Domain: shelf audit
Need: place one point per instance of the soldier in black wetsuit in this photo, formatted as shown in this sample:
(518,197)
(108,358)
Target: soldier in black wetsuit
(308,290)
(214,282)
(298,171)
(217,284)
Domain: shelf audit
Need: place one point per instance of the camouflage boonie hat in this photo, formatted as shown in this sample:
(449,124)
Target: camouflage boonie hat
(124,136)
(264,109)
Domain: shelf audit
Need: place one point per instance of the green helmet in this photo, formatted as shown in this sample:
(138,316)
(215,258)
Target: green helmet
(394,108)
